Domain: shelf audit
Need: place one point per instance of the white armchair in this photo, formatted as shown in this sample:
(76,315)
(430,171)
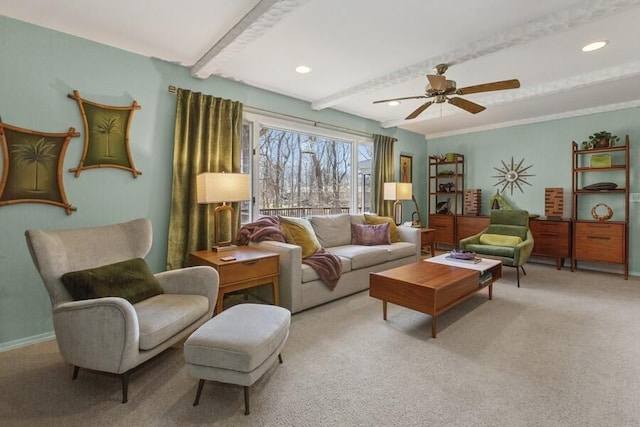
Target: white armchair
(110,334)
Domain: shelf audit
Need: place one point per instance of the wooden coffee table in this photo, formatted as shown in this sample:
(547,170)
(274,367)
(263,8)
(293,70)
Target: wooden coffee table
(434,285)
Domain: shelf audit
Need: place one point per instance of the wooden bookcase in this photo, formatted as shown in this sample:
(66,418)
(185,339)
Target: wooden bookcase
(605,239)
(445,189)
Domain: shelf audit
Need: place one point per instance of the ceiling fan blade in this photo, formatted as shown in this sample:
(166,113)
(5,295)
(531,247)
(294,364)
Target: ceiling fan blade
(400,99)
(488,87)
(418,110)
(471,107)
(437,82)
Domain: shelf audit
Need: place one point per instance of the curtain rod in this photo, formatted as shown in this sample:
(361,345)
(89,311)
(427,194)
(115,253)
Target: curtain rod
(315,123)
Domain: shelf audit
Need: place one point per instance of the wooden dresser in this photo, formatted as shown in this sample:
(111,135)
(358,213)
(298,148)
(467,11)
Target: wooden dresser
(552,238)
(601,241)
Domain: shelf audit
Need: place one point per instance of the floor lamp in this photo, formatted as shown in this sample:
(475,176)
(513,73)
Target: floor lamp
(221,187)
(397,191)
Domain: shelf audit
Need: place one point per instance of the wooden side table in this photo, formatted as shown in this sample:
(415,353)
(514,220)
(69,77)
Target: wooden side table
(428,239)
(251,268)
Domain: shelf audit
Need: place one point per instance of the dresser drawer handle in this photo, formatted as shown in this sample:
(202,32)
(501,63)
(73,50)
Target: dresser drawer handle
(251,262)
(599,237)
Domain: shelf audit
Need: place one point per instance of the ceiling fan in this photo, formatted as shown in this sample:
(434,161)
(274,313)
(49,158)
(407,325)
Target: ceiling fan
(440,88)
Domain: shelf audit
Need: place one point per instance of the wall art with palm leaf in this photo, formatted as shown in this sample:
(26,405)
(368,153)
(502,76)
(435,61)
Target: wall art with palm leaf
(32,166)
(106,136)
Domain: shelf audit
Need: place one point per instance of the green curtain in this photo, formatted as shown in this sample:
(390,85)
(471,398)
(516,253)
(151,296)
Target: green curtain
(382,171)
(208,132)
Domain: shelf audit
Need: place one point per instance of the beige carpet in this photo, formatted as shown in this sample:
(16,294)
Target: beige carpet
(563,350)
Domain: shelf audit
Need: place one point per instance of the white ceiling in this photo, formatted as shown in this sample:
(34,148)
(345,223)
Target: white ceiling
(365,50)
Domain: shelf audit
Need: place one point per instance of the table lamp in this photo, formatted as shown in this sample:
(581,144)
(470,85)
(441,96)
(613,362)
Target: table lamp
(397,191)
(221,187)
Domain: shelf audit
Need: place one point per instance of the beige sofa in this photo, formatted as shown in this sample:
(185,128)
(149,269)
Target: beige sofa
(300,286)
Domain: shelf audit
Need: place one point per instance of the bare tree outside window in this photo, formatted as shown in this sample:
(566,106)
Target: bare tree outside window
(302,174)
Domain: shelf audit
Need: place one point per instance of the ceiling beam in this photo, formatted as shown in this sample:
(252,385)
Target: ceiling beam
(560,21)
(261,18)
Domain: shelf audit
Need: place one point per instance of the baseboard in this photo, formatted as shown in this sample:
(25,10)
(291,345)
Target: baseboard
(22,342)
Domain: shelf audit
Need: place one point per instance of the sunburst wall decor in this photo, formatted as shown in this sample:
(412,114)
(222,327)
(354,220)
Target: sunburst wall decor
(512,175)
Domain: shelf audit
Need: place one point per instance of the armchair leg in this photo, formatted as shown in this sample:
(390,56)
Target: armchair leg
(125,386)
(518,273)
(75,372)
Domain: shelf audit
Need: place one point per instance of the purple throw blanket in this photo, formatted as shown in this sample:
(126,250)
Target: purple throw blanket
(327,265)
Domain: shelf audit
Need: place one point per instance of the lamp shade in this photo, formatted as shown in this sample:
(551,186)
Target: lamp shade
(218,187)
(398,191)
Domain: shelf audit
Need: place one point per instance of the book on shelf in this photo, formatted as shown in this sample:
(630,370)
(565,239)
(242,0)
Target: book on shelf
(464,261)
(485,278)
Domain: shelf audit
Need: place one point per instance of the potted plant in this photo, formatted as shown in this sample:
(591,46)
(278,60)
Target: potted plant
(600,139)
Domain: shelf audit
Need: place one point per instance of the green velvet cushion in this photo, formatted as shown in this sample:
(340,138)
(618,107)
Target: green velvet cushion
(508,230)
(299,231)
(393,229)
(499,240)
(131,280)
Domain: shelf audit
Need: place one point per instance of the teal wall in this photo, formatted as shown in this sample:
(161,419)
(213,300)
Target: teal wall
(548,147)
(39,67)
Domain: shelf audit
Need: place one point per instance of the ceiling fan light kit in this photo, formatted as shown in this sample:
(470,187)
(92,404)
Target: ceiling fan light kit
(441,90)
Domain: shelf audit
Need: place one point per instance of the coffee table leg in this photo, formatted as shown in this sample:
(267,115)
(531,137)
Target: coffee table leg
(433,326)
(491,291)
(384,310)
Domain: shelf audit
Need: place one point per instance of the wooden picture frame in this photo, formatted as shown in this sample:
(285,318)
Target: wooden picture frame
(32,166)
(106,136)
(406,168)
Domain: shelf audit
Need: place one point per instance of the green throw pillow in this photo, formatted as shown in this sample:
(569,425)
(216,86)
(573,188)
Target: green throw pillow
(393,229)
(500,240)
(131,280)
(299,231)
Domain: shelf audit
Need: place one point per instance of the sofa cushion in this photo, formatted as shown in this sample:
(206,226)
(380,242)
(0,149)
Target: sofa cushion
(393,229)
(332,230)
(362,256)
(163,316)
(499,240)
(299,231)
(400,250)
(309,274)
(370,235)
(131,279)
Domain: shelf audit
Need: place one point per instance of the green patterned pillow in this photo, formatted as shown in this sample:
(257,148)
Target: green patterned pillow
(299,231)
(131,280)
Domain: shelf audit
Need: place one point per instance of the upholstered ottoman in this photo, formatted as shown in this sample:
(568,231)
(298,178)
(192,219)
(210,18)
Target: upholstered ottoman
(237,346)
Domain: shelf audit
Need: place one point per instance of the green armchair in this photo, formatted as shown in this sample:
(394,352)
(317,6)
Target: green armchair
(507,238)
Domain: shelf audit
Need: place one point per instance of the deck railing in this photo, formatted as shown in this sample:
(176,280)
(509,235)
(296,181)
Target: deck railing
(301,212)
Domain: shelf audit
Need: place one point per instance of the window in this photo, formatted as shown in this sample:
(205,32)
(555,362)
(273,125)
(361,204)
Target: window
(300,170)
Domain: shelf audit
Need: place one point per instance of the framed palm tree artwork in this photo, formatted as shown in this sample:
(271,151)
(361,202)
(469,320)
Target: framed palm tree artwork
(32,166)
(106,136)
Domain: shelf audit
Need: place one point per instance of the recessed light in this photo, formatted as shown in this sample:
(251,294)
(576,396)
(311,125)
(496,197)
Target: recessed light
(393,103)
(303,69)
(594,46)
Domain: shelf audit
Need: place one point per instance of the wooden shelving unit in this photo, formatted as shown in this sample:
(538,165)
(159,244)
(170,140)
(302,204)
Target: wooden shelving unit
(446,184)
(601,240)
